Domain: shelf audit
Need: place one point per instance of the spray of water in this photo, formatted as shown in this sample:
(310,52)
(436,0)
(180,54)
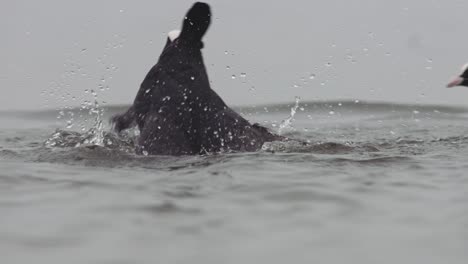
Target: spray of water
(287,123)
(95,135)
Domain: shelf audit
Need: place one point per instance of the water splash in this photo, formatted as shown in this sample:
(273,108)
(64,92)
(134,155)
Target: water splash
(287,123)
(73,139)
(95,135)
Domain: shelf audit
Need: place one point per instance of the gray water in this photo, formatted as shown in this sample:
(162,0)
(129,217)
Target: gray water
(377,183)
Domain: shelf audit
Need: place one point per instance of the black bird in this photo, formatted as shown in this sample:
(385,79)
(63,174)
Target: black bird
(128,119)
(176,110)
(461,80)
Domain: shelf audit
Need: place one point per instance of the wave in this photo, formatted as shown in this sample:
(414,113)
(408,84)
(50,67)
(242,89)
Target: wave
(294,146)
(343,106)
(74,148)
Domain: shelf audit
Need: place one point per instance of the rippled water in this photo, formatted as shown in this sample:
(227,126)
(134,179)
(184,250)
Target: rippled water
(377,183)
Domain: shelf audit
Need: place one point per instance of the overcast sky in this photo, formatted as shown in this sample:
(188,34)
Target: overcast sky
(398,51)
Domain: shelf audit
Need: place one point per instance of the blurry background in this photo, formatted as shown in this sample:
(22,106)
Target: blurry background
(256,51)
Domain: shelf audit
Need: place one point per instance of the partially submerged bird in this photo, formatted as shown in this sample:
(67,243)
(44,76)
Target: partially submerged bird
(176,110)
(462,79)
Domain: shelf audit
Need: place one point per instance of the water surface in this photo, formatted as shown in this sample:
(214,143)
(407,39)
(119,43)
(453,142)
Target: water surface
(377,183)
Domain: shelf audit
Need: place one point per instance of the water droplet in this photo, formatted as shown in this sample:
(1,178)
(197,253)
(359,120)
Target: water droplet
(328,64)
(226,52)
(84,50)
(312,76)
(192,78)
(331,113)
(233,76)
(243,75)
(415,112)
(356,101)
(228,67)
